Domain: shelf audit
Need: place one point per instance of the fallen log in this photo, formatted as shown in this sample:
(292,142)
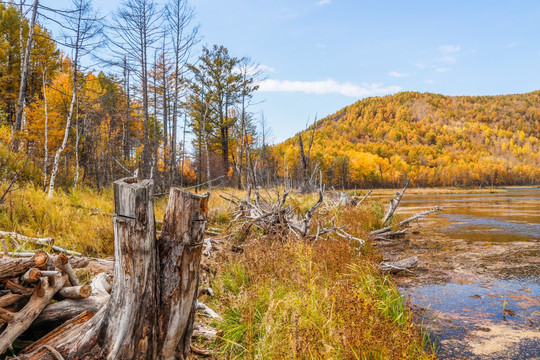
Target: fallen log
(207,310)
(38,241)
(405,222)
(394,267)
(74,292)
(21,320)
(59,331)
(205,331)
(62,262)
(10,299)
(10,268)
(68,309)
(23,238)
(18,289)
(31,276)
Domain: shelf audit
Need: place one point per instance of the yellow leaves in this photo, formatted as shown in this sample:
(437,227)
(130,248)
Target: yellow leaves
(437,140)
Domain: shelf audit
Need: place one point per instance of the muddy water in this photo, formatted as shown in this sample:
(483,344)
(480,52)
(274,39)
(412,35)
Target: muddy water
(478,285)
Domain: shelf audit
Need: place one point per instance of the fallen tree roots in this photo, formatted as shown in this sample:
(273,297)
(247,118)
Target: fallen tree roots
(273,216)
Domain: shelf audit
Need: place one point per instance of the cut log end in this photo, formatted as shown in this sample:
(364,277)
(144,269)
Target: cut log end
(40,258)
(31,276)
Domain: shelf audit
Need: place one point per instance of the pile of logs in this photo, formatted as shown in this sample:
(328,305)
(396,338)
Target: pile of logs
(148,311)
(28,285)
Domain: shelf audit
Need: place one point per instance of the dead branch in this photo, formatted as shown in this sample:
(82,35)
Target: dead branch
(394,204)
(38,241)
(405,222)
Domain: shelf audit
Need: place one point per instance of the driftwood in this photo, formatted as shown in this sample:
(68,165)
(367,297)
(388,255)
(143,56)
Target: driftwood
(405,222)
(394,204)
(136,322)
(394,267)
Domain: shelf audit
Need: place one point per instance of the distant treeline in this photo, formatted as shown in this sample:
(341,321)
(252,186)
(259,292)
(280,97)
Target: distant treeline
(434,140)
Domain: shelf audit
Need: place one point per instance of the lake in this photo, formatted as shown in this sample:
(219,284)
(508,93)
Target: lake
(477,289)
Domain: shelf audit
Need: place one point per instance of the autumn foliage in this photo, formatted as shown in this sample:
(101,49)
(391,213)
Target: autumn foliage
(434,140)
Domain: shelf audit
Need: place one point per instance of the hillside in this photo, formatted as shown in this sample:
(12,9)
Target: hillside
(433,139)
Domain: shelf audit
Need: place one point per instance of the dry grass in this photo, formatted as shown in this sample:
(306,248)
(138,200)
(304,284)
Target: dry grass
(286,299)
(296,299)
(299,300)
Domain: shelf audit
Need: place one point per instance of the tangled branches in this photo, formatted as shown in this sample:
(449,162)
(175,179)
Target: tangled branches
(273,216)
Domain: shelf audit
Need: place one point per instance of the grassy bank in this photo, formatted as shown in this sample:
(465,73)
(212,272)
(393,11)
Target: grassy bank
(296,299)
(279,298)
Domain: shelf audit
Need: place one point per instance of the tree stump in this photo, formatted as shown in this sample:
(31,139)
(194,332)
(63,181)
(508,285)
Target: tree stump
(150,311)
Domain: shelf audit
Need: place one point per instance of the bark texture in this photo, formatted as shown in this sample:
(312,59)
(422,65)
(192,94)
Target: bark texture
(151,308)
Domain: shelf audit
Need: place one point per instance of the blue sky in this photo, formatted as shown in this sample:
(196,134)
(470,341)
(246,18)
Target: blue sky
(321,55)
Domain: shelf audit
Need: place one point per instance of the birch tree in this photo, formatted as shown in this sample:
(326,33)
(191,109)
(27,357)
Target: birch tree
(24,75)
(82,27)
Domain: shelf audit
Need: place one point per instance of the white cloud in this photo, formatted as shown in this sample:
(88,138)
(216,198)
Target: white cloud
(397,74)
(321,45)
(429,81)
(265,68)
(254,70)
(449,49)
(513,45)
(328,86)
(323,2)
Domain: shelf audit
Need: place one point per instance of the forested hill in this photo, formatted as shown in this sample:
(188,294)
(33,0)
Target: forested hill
(433,139)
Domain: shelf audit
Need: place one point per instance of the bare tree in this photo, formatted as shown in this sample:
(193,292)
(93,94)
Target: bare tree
(82,28)
(45,131)
(184,36)
(135,28)
(249,73)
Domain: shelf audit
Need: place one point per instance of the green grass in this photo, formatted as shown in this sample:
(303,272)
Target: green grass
(299,300)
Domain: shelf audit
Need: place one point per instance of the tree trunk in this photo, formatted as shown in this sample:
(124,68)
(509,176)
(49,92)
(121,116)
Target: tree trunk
(180,248)
(24,78)
(150,312)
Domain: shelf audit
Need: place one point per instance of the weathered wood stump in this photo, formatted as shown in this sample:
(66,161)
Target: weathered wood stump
(151,308)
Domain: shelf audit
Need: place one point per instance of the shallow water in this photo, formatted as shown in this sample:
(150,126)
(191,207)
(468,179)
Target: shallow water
(478,285)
